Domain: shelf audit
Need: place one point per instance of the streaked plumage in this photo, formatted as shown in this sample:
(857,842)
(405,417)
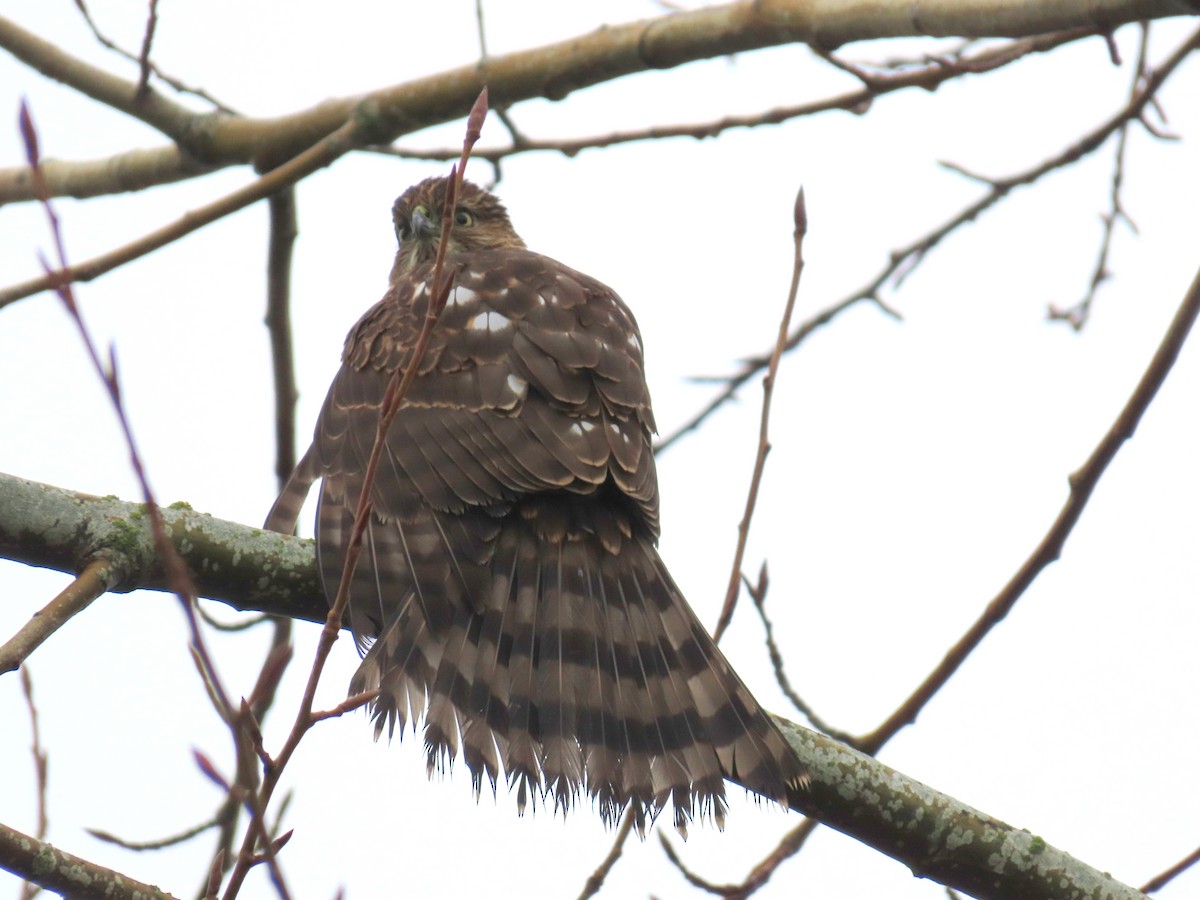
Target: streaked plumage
(509,589)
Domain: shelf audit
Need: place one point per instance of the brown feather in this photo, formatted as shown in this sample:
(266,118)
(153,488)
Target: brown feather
(509,591)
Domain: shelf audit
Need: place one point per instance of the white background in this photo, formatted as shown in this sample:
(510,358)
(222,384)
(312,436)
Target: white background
(915,463)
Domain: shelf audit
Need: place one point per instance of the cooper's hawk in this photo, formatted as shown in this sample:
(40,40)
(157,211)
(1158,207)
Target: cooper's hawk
(509,588)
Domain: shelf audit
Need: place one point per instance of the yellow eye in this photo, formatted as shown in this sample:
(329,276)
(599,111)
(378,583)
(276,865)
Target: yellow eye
(464,218)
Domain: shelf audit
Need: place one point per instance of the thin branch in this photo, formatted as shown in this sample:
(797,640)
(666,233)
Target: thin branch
(552,72)
(905,260)
(758,593)
(928,77)
(401,379)
(175,83)
(788,847)
(342,141)
(29,890)
(144,65)
(731,891)
(156,844)
(177,574)
(596,880)
(1159,881)
(800,218)
(94,580)
(279,327)
(1082,483)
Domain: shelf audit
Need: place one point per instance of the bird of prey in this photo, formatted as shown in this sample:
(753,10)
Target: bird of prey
(509,591)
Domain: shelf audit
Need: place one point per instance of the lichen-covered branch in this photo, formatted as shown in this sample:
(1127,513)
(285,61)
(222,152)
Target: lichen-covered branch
(247,568)
(51,868)
(251,569)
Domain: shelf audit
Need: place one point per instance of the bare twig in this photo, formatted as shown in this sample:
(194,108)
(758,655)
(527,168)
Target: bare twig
(29,890)
(279,327)
(758,593)
(927,77)
(732,891)
(1159,881)
(177,575)
(144,65)
(800,217)
(393,398)
(1077,315)
(905,260)
(93,581)
(1082,483)
(157,843)
(159,73)
(596,880)
(319,155)
(213,622)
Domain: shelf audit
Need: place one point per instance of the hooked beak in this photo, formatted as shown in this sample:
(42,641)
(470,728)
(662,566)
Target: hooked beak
(423,226)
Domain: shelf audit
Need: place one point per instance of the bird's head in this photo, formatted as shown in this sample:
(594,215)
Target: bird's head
(480,223)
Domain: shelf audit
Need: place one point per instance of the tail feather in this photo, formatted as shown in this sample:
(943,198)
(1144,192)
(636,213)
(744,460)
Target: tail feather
(580,670)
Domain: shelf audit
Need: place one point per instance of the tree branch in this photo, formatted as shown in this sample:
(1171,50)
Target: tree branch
(45,865)
(251,569)
(215,140)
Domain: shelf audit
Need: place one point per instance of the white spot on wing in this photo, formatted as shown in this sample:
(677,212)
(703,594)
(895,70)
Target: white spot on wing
(489,321)
(459,295)
(516,384)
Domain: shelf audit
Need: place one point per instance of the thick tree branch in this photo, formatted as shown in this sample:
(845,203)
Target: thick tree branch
(62,873)
(251,569)
(553,71)
(247,568)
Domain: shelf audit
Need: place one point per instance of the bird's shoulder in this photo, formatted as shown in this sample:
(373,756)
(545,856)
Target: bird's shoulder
(503,304)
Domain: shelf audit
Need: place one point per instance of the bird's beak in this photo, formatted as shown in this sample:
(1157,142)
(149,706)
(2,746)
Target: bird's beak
(423,226)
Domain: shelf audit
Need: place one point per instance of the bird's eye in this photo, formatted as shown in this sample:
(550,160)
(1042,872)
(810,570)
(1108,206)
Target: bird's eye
(464,218)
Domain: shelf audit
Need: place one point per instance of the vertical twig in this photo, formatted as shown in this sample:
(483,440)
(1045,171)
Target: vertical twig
(393,398)
(29,890)
(800,217)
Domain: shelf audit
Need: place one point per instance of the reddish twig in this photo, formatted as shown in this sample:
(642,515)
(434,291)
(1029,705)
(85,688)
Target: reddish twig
(319,155)
(1159,881)
(800,217)
(177,575)
(393,398)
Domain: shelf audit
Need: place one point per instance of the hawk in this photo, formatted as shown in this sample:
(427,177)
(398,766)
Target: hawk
(509,589)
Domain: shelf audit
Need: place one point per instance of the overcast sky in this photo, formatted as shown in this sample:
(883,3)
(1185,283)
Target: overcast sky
(915,463)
